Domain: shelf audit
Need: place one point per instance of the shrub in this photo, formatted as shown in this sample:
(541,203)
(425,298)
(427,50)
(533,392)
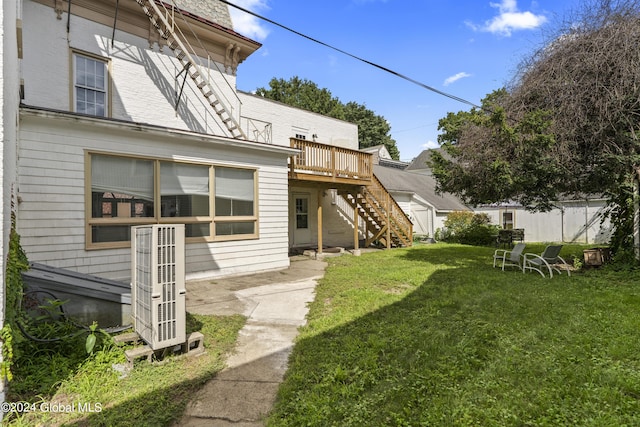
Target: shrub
(468,228)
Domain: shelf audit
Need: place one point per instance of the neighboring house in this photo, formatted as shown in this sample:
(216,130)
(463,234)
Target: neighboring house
(414,192)
(128,117)
(572,221)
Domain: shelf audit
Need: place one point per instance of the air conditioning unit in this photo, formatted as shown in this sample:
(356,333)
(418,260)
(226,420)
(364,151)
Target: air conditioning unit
(158,284)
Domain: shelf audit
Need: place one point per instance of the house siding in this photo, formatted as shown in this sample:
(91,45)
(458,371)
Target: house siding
(51,189)
(337,218)
(577,221)
(144,82)
(9,100)
(287,121)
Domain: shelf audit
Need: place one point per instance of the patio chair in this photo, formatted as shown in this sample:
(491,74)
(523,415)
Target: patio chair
(517,234)
(504,238)
(509,258)
(548,260)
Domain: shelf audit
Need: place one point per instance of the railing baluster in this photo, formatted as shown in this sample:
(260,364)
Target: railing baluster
(332,161)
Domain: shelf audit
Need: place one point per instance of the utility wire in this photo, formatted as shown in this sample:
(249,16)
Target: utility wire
(373,64)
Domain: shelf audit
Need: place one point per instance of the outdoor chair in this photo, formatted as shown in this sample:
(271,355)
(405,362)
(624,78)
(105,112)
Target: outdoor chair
(548,260)
(509,258)
(504,238)
(517,234)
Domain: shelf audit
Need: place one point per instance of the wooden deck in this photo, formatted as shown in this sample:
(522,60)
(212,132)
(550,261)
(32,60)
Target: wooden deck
(327,163)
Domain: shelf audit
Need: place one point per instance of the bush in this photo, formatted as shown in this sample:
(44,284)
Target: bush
(468,228)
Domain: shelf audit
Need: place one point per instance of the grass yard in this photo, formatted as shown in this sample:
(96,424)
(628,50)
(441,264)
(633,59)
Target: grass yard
(434,336)
(150,395)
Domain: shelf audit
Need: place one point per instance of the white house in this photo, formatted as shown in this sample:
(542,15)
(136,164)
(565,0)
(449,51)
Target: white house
(571,221)
(414,192)
(122,113)
(128,114)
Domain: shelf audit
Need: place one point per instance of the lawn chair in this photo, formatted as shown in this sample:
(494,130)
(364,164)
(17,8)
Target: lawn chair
(548,260)
(506,258)
(504,238)
(517,234)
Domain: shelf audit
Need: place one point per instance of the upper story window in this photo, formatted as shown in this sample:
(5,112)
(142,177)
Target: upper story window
(90,85)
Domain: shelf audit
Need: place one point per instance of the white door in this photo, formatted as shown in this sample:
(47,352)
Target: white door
(301,220)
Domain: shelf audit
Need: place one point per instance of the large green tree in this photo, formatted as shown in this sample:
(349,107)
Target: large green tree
(567,125)
(301,93)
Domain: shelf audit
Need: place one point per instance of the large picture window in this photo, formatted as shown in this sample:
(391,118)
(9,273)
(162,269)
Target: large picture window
(90,85)
(214,202)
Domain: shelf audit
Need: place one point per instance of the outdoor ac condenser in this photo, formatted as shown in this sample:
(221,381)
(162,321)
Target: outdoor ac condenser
(158,284)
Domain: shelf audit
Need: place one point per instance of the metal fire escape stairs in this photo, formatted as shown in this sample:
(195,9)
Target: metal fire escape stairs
(385,222)
(163,21)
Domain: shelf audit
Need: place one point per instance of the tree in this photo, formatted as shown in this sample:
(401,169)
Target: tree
(372,128)
(303,94)
(567,124)
(489,158)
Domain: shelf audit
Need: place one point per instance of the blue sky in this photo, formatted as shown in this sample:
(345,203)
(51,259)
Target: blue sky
(467,48)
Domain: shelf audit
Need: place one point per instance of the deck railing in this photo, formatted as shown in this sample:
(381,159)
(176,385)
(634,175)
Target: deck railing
(321,162)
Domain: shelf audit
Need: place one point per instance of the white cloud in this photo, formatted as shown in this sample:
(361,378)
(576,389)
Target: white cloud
(455,78)
(509,19)
(429,145)
(246,24)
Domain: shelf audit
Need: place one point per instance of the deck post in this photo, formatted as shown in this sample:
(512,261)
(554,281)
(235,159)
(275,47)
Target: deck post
(356,241)
(320,194)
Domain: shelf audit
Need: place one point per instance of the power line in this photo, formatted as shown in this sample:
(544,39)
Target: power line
(373,64)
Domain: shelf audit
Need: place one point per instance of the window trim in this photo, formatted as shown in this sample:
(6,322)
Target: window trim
(72,80)
(157,217)
(503,223)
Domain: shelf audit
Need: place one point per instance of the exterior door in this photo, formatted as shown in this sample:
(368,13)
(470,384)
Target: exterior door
(301,220)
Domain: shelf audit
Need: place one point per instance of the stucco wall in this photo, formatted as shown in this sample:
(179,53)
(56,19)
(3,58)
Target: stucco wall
(337,217)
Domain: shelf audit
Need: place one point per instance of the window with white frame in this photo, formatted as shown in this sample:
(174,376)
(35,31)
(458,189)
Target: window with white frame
(507,220)
(90,85)
(214,202)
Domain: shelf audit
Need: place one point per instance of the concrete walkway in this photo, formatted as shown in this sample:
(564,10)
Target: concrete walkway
(275,304)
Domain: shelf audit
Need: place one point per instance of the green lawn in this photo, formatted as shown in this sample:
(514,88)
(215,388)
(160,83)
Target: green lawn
(58,376)
(434,336)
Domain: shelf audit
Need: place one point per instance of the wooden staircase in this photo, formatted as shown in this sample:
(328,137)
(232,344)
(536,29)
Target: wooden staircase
(163,21)
(386,223)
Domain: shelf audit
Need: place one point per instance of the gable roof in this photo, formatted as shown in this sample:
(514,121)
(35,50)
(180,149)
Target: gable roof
(420,184)
(419,164)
